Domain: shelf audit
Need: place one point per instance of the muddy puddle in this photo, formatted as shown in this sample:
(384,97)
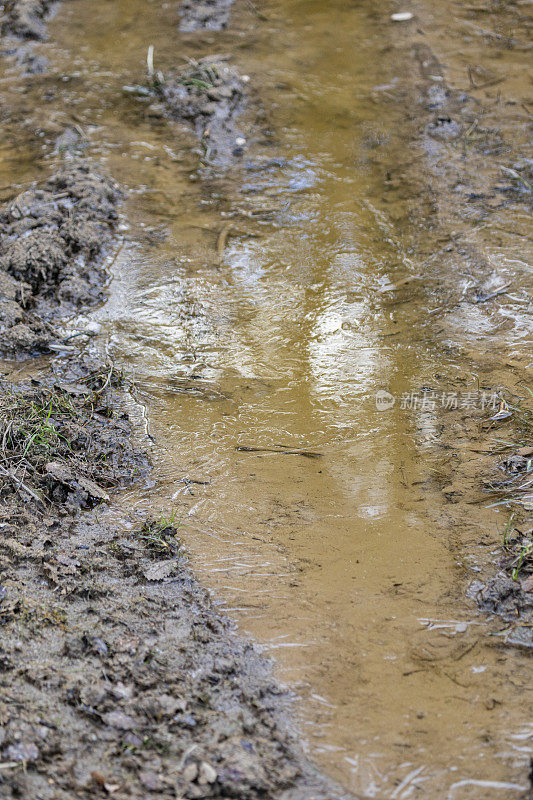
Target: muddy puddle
(256,309)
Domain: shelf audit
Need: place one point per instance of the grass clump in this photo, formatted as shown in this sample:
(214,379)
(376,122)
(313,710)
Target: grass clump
(60,438)
(160,536)
(202,75)
(31,427)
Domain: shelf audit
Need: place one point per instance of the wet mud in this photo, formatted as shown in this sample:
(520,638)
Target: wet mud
(211,15)
(211,96)
(51,238)
(260,304)
(478,152)
(98,697)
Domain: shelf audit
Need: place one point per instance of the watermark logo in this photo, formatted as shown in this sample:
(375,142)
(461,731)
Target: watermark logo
(430,400)
(384,400)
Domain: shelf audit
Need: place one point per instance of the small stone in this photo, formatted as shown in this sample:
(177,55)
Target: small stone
(121,691)
(99,646)
(150,781)
(132,739)
(119,720)
(190,773)
(168,705)
(402,16)
(98,778)
(207,773)
(161,571)
(25,751)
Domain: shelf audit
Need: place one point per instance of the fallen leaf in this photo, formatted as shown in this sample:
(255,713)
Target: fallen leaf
(391,287)
(91,488)
(63,474)
(74,388)
(60,472)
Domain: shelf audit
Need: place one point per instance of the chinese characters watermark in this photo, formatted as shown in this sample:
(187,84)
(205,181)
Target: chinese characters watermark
(431,400)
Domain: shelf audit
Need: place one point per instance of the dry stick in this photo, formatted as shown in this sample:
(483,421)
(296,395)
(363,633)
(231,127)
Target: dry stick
(257,12)
(19,485)
(150,61)
(485,32)
(486,84)
(305,453)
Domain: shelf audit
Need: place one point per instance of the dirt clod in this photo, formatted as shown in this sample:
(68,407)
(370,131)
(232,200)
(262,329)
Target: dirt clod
(209,95)
(211,15)
(26,18)
(51,240)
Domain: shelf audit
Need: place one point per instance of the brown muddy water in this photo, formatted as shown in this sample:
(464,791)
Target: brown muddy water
(347,566)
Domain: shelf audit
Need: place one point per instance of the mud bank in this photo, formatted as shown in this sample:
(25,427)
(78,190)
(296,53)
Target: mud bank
(129,679)
(51,240)
(476,143)
(118,674)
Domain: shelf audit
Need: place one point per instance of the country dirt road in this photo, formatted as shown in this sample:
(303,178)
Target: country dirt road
(226,229)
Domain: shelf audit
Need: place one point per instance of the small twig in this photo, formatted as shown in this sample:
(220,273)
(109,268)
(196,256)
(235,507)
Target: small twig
(256,11)
(76,335)
(305,453)
(19,484)
(150,61)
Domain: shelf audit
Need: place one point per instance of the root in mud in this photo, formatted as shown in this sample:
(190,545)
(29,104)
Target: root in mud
(51,238)
(209,95)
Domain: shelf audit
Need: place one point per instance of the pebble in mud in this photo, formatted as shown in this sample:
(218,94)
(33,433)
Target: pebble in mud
(402,16)
(444,128)
(25,751)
